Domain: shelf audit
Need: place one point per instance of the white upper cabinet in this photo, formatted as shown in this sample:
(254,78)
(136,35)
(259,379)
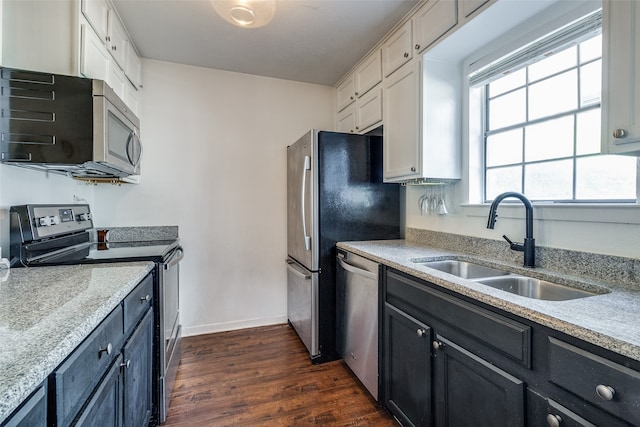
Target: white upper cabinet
(432,21)
(73,37)
(117,39)
(621,78)
(401,145)
(398,49)
(369,73)
(346,92)
(97,14)
(469,6)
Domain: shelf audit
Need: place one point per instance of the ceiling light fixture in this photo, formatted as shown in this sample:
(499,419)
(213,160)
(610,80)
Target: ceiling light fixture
(246,13)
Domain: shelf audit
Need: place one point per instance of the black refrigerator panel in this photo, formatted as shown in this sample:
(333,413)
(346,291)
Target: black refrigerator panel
(353,204)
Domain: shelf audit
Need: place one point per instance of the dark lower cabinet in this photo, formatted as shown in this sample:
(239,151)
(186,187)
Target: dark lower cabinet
(107,380)
(104,408)
(136,373)
(448,361)
(407,367)
(470,391)
(32,413)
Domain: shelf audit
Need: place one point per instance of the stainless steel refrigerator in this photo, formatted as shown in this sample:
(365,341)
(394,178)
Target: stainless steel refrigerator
(334,193)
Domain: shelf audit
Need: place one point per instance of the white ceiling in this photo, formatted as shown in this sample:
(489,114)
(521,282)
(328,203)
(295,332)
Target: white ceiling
(313,41)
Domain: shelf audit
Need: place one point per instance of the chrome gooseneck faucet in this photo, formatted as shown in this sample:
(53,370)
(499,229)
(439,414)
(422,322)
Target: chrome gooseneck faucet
(529,245)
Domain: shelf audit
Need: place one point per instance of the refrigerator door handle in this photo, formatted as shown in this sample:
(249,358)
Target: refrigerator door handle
(307,166)
(296,272)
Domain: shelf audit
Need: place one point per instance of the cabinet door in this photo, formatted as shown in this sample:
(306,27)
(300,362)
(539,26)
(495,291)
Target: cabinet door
(398,49)
(471,391)
(433,20)
(470,6)
(117,39)
(97,14)
(402,148)
(369,110)
(94,58)
(116,79)
(346,93)
(621,79)
(137,374)
(369,74)
(406,372)
(347,120)
(33,412)
(104,409)
(133,69)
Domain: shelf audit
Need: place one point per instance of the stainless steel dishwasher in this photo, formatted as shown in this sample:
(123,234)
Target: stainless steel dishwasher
(357,317)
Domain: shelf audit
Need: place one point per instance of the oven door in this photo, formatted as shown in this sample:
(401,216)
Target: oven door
(170,329)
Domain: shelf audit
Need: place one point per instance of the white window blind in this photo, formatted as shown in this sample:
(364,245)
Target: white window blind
(572,33)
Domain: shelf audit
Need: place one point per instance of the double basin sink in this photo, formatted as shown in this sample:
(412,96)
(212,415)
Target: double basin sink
(510,282)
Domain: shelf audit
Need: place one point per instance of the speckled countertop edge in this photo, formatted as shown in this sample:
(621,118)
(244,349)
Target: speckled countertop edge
(608,320)
(37,338)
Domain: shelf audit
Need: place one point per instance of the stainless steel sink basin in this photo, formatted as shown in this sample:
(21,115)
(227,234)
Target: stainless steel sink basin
(535,288)
(464,269)
(510,282)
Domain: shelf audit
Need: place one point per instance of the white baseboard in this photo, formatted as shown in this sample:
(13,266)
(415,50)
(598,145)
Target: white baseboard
(211,328)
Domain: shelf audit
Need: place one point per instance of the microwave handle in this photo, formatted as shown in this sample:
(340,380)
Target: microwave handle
(133,137)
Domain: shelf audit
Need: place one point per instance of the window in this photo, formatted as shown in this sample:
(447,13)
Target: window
(542,122)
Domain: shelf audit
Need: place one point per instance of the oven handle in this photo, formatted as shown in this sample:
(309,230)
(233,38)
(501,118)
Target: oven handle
(175,257)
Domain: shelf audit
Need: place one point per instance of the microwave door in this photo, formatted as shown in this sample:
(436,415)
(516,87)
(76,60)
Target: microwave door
(118,142)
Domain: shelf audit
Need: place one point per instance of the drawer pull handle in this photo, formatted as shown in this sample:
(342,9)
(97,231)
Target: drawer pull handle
(108,349)
(145,299)
(605,392)
(554,420)
(126,364)
(421,332)
(437,345)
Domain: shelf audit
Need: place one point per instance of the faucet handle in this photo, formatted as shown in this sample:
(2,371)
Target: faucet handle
(514,246)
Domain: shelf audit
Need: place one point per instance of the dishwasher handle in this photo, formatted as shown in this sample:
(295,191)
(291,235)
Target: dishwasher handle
(355,270)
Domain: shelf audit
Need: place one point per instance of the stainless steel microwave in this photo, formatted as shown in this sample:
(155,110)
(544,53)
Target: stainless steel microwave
(65,124)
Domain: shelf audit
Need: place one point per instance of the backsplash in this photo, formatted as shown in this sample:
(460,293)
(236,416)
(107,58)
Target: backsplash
(597,266)
(141,234)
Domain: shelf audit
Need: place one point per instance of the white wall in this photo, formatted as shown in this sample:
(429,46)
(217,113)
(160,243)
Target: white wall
(214,164)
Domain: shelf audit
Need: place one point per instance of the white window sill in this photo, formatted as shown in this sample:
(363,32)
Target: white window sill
(617,213)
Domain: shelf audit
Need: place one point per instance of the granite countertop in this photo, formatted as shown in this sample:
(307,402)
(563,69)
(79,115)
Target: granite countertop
(46,312)
(609,320)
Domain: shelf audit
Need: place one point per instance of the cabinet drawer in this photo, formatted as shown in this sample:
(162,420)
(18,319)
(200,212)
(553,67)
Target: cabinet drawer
(508,337)
(583,373)
(82,371)
(137,303)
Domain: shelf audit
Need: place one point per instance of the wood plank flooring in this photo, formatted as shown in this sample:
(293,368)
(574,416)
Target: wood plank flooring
(263,377)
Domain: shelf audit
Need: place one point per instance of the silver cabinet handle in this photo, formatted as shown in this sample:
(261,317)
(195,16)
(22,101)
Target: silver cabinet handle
(413,168)
(108,349)
(605,392)
(619,133)
(355,270)
(126,364)
(406,54)
(144,299)
(307,166)
(554,420)
(417,46)
(437,345)
(421,332)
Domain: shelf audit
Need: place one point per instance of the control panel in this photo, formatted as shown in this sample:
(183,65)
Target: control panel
(44,221)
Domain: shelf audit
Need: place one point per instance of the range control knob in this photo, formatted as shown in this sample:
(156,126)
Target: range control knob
(83,216)
(55,219)
(45,221)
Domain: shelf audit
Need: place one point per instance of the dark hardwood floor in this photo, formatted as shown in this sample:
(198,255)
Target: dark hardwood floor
(263,377)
